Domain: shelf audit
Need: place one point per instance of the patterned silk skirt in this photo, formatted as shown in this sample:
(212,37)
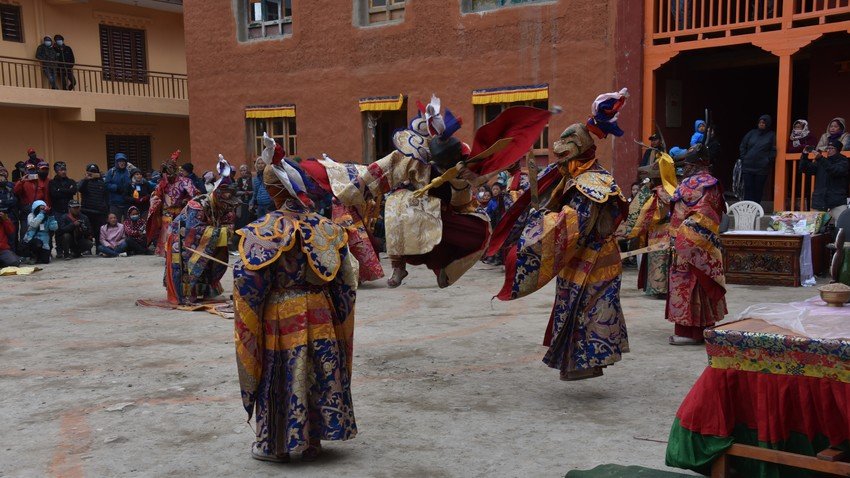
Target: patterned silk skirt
(304,393)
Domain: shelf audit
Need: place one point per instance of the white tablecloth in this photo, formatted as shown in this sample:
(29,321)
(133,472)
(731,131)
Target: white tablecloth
(811,318)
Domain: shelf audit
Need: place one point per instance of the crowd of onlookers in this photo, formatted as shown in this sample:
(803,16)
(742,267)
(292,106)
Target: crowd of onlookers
(103,214)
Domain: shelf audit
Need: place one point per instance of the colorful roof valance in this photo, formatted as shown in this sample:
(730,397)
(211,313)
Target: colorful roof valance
(270,111)
(382,103)
(510,94)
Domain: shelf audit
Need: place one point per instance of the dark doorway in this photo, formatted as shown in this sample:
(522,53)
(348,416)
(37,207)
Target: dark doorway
(378,129)
(736,84)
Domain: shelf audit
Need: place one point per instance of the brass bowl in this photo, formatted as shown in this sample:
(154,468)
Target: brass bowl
(835,298)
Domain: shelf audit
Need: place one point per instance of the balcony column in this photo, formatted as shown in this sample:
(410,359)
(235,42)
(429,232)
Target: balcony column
(783,125)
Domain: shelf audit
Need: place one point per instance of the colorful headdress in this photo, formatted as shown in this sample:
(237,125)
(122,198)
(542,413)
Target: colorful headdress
(431,122)
(289,174)
(224,172)
(169,166)
(604,114)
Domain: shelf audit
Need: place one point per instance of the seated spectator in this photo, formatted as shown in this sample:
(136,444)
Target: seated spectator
(75,232)
(134,228)
(831,178)
(140,192)
(801,137)
(113,239)
(836,131)
(699,132)
(37,238)
(7,232)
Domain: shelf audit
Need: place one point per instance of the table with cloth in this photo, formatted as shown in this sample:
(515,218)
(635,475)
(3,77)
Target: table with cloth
(768,258)
(777,378)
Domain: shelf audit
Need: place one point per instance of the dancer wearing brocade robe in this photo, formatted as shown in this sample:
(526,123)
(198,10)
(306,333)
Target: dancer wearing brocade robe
(169,197)
(196,248)
(573,239)
(697,284)
(294,292)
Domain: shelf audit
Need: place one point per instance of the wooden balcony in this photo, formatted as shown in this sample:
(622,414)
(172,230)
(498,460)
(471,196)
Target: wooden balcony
(682,21)
(98,88)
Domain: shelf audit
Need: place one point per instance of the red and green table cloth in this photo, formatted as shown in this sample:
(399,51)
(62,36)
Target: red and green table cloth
(764,386)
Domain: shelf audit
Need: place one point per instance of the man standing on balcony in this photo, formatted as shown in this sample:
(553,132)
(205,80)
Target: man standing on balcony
(48,57)
(66,60)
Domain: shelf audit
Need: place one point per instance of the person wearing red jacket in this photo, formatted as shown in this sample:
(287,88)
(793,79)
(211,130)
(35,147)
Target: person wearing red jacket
(7,230)
(33,186)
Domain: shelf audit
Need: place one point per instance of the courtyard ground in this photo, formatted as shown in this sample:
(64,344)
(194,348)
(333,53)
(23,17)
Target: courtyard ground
(446,382)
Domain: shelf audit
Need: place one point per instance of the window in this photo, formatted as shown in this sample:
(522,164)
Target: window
(10,21)
(380,11)
(486,113)
(137,149)
(282,130)
(482,5)
(267,18)
(123,54)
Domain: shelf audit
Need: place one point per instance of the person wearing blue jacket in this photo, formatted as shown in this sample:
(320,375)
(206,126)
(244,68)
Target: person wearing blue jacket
(261,202)
(699,132)
(37,239)
(118,184)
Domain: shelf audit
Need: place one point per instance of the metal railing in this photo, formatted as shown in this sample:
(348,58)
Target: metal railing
(688,20)
(109,80)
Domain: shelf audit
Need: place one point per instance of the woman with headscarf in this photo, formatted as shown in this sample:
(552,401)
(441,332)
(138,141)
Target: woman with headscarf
(293,292)
(836,131)
(801,137)
(757,153)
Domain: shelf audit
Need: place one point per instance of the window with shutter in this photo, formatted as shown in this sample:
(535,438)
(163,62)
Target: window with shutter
(10,23)
(123,54)
(137,149)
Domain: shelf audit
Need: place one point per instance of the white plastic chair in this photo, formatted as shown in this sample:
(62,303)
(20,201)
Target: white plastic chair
(747,215)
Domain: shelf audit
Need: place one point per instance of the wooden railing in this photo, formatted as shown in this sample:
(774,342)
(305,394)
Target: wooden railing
(675,21)
(109,80)
(800,186)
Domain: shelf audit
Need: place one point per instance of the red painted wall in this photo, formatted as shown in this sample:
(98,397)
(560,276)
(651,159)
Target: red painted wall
(328,64)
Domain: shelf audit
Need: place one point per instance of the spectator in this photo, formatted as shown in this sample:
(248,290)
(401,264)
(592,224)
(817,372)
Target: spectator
(483,200)
(498,203)
(837,130)
(8,258)
(758,151)
(19,172)
(135,230)
(140,192)
(118,183)
(831,173)
(188,171)
(40,224)
(244,191)
(47,56)
(95,198)
(635,190)
(32,158)
(712,143)
(801,138)
(153,179)
(649,154)
(66,61)
(699,132)
(209,182)
(75,233)
(33,186)
(62,189)
(261,201)
(113,239)
(9,205)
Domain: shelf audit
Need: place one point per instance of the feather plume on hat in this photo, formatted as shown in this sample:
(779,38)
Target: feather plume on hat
(289,175)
